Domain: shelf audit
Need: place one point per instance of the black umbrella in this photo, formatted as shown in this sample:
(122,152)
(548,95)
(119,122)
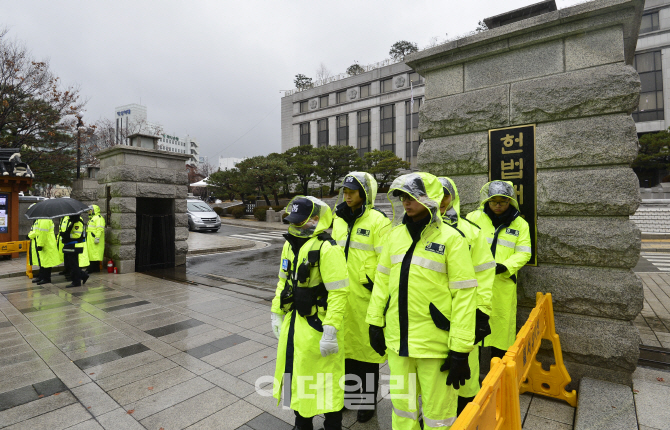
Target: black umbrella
(56,208)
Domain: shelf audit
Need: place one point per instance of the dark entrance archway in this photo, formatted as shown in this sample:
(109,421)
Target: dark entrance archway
(155,246)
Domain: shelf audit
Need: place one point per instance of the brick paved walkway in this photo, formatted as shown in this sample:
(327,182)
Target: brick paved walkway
(132,351)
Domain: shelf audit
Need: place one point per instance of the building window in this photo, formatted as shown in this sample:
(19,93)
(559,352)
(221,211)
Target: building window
(363,132)
(323,101)
(365,91)
(341,97)
(387,128)
(415,79)
(323,132)
(649,22)
(343,130)
(303,106)
(412,138)
(386,85)
(648,66)
(304,134)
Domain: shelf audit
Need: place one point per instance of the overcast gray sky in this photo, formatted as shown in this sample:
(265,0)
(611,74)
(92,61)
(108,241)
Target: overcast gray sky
(214,69)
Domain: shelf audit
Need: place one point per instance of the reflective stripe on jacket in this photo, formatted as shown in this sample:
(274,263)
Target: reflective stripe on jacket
(511,247)
(96,229)
(300,365)
(435,270)
(363,245)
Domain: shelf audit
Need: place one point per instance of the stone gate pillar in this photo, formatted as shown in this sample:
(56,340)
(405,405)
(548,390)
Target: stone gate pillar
(568,72)
(128,174)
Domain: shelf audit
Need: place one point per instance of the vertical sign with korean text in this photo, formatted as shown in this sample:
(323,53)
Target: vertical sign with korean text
(512,158)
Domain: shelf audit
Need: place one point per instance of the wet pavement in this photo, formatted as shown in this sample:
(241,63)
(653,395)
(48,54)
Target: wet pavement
(257,266)
(185,348)
(134,351)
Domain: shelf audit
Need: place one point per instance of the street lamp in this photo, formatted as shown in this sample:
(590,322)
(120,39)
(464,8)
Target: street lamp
(80,124)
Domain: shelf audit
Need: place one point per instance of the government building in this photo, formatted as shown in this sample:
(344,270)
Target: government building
(367,111)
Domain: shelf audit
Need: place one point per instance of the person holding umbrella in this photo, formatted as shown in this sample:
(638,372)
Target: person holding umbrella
(74,250)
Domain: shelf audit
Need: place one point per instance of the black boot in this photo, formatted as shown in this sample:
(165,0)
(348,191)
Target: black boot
(462,403)
(365,415)
(39,276)
(46,276)
(302,423)
(84,277)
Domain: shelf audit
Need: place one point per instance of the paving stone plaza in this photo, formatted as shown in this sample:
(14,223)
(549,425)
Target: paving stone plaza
(131,351)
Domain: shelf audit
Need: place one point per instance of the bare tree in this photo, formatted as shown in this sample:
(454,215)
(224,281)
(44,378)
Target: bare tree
(322,72)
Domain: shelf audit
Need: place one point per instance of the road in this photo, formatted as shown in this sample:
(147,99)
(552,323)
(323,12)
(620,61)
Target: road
(257,265)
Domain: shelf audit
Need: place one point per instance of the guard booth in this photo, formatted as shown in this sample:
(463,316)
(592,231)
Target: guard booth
(10,187)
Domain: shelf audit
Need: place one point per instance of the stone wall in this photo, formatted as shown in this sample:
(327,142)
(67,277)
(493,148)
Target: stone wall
(569,72)
(85,190)
(131,173)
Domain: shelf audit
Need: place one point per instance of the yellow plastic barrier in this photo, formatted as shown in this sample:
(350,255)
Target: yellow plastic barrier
(496,406)
(18,246)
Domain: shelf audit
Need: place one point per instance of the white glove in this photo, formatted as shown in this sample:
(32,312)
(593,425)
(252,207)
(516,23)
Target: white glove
(328,342)
(97,240)
(277,321)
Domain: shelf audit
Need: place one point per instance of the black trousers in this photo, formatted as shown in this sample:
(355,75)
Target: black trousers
(94,267)
(366,392)
(45,274)
(71,260)
(333,421)
(495,352)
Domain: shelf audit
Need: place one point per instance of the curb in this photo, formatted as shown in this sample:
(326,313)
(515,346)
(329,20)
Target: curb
(251,244)
(655,235)
(260,225)
(666,250)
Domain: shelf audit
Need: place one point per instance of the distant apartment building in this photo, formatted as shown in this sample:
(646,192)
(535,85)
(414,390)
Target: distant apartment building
(132,118)
(368,111)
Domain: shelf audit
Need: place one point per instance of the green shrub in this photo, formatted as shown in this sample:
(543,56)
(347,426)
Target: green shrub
(278,208)
(260,213)
(219,211)
(237,211)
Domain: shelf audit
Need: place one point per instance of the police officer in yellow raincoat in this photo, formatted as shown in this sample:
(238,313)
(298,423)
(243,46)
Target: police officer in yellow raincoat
(34,258)
(74,250)
(359,228)
(95,239)
(62,225)
(44,240)
(423,306)
(307,317)
(484,265)
(508,234)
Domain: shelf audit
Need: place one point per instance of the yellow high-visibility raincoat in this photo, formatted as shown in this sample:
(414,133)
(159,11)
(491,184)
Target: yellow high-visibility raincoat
(424,277)
(62,225)
(32,235)
(361,239)
(485,272)
(96,229)
(46,243)
(78,235)
(309,383)
(510,245)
